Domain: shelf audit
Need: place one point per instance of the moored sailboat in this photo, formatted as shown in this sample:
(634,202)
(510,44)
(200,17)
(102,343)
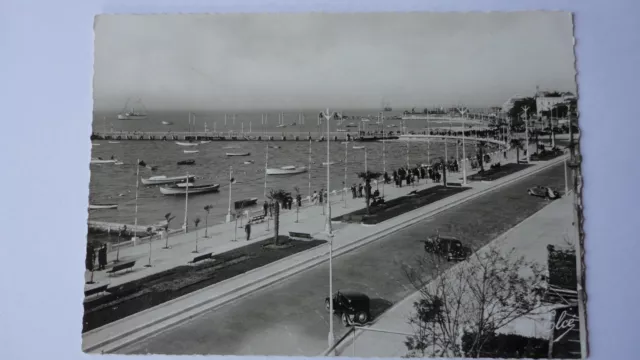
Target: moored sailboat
(286,170)
(163,179)
(189,188)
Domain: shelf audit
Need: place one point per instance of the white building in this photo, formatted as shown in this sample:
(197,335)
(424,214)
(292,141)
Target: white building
(546,103)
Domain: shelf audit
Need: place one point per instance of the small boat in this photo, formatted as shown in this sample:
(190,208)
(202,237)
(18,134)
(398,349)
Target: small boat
(114,142)
(187,162)
(163,179)
(275,147)
(281,126)
(205,141)
(249,162)
(286,170)
(328,163)
(351,125)
(102,206)
(182,189)
(132,114)
(102,161)
(191,151)
(358,147)
(239,154)
(186,143)
(118,163)
(167,123)
(245,203)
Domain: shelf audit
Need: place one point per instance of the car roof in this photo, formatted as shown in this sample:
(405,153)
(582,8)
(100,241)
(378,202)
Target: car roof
(353,294)
(447,237)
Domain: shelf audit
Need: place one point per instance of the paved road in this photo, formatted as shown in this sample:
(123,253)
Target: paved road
(289,318)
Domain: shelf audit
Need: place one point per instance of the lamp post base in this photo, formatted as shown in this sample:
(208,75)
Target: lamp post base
(228,218)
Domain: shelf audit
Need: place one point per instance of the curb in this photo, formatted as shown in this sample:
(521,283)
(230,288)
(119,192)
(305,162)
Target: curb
(155,326)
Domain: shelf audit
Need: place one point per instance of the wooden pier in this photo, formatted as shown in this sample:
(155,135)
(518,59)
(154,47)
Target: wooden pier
(221,136)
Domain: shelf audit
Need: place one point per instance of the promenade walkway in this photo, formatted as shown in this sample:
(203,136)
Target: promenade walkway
(228,236)
(551,225)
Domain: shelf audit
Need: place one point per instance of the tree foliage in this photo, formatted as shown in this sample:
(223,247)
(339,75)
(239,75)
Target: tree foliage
(277,197)
(516,111)
(477,297)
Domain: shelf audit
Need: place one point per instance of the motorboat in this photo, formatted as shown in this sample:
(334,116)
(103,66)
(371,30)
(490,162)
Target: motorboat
(191,151)
(286,170)
(102,206)
(245,203)
(187,162)
(249,162)
(182,189)
(118,163)
(186,143)
(132,114)
(239,154)
(103,161)
(163,179)
(205,141)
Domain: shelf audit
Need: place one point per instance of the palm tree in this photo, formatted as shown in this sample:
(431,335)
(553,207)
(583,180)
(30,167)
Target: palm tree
(481,146)
(196,221)
(276,197)
(168,218)
(517,143)
(367,176)
(206,220)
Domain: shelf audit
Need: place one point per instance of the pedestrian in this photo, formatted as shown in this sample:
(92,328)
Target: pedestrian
(247,229)
(265,207)
(353,190)
(360,189)
(299,200)
(102,257)
(314,197)
(321,195)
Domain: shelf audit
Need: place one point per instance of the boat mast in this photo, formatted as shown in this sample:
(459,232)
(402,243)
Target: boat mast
(186,205)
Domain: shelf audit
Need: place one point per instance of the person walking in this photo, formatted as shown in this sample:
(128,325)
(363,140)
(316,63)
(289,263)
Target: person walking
(353,190)
(299,200)
(265,207)
(321,195)
(247,229)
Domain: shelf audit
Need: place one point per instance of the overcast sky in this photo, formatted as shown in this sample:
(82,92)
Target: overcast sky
(342,61)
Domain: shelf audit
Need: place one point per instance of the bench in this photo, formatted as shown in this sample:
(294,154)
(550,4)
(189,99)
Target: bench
(300,236)
(457,184)
(96,290)
(202,257)
(123,266)
(257,219)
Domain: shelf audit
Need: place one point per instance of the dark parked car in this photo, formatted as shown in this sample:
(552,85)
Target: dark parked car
(447,246)
(544,192)
(351,306)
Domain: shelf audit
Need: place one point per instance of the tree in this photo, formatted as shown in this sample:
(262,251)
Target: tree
(517,109)
(477,297)
(276,197)
(196,221)
(367,176)
(517,144)
(206,220)
(481,146)
(168,218)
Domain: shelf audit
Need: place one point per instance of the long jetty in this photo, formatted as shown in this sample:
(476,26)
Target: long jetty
(222,136)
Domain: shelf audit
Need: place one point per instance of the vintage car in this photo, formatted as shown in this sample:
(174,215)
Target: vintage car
(544,192)
(447,246)
(351,306)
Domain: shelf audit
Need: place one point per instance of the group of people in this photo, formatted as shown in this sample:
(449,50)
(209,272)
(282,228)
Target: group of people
(319,197)
(101,256)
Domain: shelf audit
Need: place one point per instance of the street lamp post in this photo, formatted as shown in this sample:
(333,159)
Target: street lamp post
(230,181)
(331,337)
(384,151)
(526,130)
(464,151)
(346,160)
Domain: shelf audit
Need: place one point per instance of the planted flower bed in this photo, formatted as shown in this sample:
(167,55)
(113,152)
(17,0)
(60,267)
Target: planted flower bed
(497,172)
(399,206)
(135,296)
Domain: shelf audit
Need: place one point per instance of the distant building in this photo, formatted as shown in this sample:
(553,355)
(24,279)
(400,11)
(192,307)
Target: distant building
(546,100)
